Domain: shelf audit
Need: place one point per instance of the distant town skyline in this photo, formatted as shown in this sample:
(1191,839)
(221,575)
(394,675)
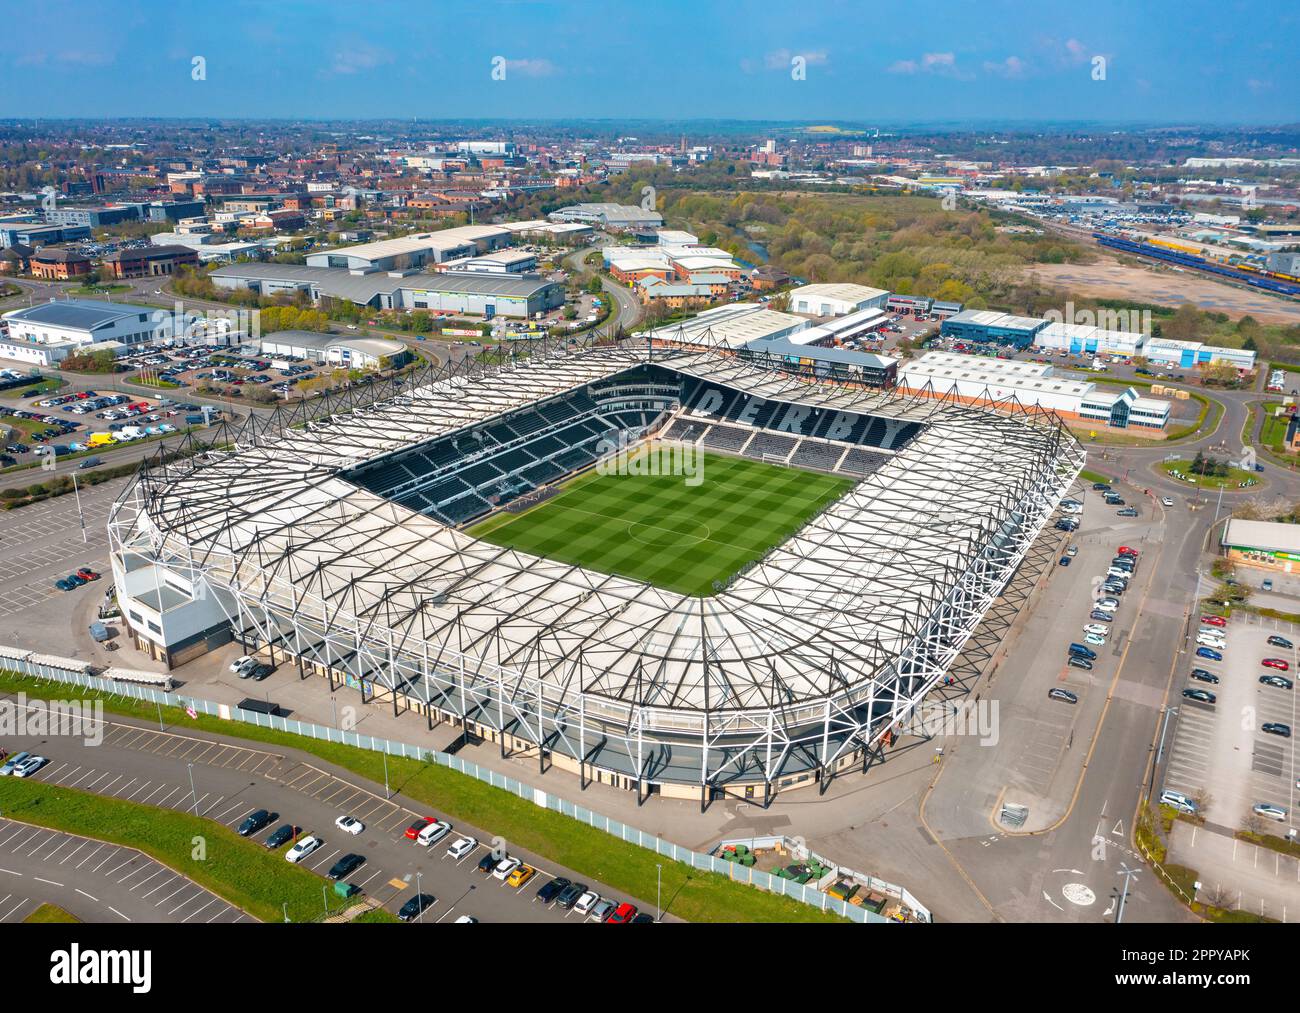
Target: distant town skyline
(1107,61)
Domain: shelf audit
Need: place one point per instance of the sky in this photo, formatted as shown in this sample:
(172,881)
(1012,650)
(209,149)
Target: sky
(1135,61)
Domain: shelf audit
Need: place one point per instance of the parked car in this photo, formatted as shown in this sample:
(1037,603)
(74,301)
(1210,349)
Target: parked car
(622,915)
(350,825)
(433,833)
(1276,641)
(552,888)
(255,822)
(1201,675)
(461,847)
(1095,639)
(34,763)
(1210,653)
(601,910)
(586,902)
(1097,628)
(488,862)
(1276,681)
(283,835)
(1277,663)
(568,897)
(1218,621)
(1269,811)
(242,665)
(1276,728)
(1056,693)
(413,831)
(520,875)
(1126,512)
(505,867)
(8,767)
(303,848)
(416,906)
(345,866)
(1179,801)
(1102,617)
(1201,695)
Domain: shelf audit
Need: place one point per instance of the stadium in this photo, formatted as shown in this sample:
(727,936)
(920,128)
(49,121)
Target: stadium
(498,547)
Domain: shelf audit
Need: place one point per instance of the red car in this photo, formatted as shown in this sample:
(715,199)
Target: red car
(86,573)
(1214,621)
(413,831)
(1124,550)
(622,914)
(1277,663)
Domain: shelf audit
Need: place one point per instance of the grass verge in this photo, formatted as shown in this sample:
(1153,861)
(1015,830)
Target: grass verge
(687,893)
(49,914)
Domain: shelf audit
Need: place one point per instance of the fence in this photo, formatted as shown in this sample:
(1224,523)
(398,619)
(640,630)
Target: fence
(76,673)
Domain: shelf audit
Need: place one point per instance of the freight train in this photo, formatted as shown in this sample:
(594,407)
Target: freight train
(1252,276)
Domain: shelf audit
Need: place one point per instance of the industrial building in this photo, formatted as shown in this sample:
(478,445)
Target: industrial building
(47,333)
(989,327)
(497,262)
(978,379)
(414,252)
(608,216)
(1190,354)
(39,234)
(452,292)
(332,350)
(835,300)
(566,232)
(1266,544)
(1080,339)
(731,326)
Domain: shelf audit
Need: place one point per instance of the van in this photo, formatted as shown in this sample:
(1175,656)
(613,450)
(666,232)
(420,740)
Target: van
(89,462)
(1179,801)
(1080,651)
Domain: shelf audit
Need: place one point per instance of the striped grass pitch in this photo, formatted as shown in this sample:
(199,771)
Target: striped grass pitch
(662,530)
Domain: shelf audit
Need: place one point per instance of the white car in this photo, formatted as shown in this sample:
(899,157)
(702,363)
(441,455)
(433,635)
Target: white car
(13,762)
(466,920)
(1209,640)
(1105,605)
(1269,811)
(505,867)
(1166,501)
(1176,799)
(433,833)
(302,849)
(461,847)
(242,664)
(30,766)
(1101,629)
(586,902)
(1094,639)
(350,825)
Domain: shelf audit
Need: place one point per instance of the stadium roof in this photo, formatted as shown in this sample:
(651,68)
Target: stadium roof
(820,617)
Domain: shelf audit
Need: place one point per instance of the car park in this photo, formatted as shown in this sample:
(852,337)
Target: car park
(1201,675)
(255,822)
(302,849)
(350,825)
(1276,728)
(1277,663)
(1200,695)
(1056,693)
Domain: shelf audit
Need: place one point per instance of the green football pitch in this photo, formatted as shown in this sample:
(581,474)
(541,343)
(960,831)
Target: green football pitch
(659,529)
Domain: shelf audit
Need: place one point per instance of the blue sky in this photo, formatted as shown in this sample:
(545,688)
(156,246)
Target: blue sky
(1184,62)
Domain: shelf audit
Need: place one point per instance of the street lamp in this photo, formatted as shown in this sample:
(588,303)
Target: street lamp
(193,794)
(659,884)
(1128,874)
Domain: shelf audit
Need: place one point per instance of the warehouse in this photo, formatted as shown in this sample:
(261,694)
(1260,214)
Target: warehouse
(1190,354)
(979,379)
(331,350)
(835,300)
(498,262)
(731,326)
(1080,339)
(987,326)
(1267,544)
(47,333)
(414,252)
(452,292)
(609,216)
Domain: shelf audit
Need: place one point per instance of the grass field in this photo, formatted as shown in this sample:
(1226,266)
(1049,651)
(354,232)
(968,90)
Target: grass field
(662,530)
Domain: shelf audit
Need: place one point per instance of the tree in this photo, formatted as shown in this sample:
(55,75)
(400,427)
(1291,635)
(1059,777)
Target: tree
(1185,325)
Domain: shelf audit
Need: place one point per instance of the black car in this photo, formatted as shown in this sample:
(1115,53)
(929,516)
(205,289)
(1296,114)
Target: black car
(570,894)
(549,890)
(1100,486)
(283,836)
(345,865)
(1277,641)
(1203,695)
(1201,675)
(1275,680)
(412,908)
(1083,663)
(489,862)
(259,672)
(1277,728)
(643,919)
(255,822)
(1056,693)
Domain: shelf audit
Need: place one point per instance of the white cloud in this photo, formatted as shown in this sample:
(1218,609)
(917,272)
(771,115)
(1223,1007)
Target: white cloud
(779,59)
(1011,67)
(943,64)
(359,58)
(530,68)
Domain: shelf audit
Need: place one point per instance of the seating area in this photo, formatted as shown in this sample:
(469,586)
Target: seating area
(731,438)
(818,456)
(862,462)
(770,445)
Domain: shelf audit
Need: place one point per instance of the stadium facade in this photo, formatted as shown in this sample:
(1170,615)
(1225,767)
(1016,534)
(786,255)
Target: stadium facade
(330,538)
